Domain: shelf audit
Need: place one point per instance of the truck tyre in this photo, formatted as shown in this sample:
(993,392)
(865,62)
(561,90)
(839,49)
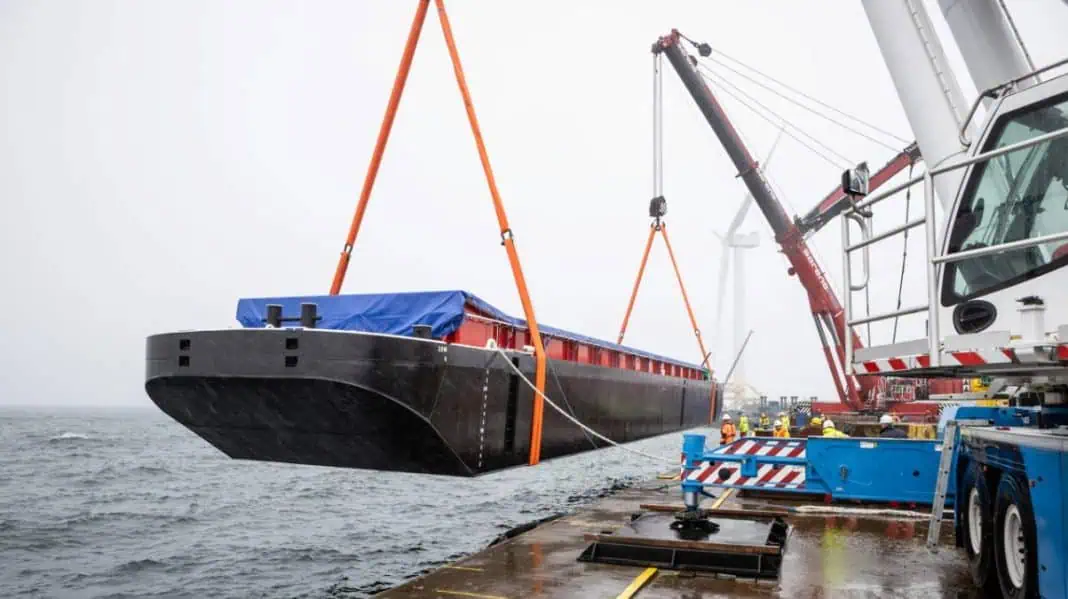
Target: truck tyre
(977,528)
(1014,540)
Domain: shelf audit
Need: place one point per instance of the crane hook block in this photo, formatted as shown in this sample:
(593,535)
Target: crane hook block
(657,207)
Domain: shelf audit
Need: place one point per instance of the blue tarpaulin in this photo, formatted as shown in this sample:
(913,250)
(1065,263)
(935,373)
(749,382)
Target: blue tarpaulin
(397,313)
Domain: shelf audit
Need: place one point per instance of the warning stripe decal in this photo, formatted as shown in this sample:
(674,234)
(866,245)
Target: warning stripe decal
(972,358)
(768,476)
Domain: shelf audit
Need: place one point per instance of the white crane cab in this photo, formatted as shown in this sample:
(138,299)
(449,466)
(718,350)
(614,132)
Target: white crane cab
(996,278)
(1021,195)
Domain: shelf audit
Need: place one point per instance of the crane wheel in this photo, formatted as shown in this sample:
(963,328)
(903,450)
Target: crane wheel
(1014,540)
(977,528)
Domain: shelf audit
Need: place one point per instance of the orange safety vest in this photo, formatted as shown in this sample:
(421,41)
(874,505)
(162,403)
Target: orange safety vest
(781,433)
(727,433)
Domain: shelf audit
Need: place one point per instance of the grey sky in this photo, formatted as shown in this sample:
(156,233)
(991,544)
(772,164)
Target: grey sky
(159,160)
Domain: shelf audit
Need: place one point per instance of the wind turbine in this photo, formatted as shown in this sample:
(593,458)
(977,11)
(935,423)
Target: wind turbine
(734,244)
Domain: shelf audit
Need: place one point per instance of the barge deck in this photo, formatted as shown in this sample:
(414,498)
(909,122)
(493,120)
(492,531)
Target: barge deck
(836,555)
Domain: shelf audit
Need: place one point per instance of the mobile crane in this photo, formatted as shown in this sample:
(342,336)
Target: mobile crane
(997,278)
(995,274)
(856,391)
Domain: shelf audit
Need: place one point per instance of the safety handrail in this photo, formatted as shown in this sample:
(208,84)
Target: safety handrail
(997,90)
(933,259)
(865,232)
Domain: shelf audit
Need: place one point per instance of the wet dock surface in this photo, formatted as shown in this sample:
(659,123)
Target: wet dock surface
(827,555)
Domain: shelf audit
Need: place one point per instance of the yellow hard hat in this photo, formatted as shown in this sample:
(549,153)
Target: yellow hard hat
(817,420)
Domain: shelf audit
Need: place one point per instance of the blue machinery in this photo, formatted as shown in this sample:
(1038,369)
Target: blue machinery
(1008,472)
(862,469)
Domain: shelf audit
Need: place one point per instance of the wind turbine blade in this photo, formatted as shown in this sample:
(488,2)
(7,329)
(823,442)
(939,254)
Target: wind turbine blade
(771,151)
(739,216)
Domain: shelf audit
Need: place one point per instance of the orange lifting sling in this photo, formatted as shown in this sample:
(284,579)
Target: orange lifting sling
(502,218)
(657,210)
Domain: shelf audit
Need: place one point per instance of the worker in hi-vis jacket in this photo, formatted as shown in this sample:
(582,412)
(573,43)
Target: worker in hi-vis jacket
(781,430)
(727,432)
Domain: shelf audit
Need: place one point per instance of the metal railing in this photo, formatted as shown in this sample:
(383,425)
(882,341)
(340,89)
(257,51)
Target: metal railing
(934,260)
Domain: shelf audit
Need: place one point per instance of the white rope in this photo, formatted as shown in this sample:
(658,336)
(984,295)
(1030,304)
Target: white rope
(574,420)
(857,511)
(801,509)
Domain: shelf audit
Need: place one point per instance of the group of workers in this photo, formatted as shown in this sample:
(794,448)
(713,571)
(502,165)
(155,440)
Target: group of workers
(817,427)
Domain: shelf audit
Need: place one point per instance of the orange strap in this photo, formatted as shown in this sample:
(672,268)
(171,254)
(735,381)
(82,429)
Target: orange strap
(509,243)
(685,299)
(637,283)
(380,145)
(653,228)
(502,218)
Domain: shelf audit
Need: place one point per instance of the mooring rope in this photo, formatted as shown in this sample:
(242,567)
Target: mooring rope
(812,510)
(575,421)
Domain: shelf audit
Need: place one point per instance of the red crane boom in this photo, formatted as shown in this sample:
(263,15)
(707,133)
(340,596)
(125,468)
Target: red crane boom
(827,311)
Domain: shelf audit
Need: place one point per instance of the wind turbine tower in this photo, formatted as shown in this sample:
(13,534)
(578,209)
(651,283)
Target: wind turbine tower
(734,244)
(738,243)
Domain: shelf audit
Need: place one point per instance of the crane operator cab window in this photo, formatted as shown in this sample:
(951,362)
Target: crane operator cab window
(1019,195)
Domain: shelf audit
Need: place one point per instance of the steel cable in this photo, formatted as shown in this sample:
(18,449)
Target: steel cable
(574,420)
(726,87)
(809,98)
(904,257)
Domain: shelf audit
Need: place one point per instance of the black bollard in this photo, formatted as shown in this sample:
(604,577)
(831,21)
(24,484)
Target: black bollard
(308,315)
(274,315)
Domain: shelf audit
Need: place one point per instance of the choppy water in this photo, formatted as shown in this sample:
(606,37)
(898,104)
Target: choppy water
(127,503)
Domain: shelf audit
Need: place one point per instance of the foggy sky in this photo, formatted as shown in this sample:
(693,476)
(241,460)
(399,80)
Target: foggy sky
(159,160)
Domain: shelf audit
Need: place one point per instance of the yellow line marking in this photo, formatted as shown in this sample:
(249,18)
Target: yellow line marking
(467,568)
(644,578)
(637,584)
(466,594)
(722,498)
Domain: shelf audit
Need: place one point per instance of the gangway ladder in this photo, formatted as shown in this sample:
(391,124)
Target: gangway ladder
(945,470)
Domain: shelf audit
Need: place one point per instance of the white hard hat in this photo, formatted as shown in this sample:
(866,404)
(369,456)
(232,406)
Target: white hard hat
(828,423)
(886,419)
(778,424)
(726,416)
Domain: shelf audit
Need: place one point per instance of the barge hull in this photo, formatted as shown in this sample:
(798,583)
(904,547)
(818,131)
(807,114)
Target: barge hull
(396,403)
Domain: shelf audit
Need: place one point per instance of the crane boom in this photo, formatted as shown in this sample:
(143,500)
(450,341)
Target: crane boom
(837,201)
(826,308)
